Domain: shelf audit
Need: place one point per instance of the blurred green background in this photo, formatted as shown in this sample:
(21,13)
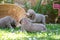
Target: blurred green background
(40,6)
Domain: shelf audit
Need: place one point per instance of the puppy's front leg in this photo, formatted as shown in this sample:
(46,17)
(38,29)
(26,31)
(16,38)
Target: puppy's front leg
(9,25)
(22,29)
(34,20)
(43,20)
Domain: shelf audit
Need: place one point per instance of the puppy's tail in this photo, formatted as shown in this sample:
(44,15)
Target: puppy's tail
(46,15)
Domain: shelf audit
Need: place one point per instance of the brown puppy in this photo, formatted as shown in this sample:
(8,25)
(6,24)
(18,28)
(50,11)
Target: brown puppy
(7,22)
(27,25)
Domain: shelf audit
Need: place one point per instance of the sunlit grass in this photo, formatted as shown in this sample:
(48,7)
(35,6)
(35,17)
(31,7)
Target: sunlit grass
(53,33)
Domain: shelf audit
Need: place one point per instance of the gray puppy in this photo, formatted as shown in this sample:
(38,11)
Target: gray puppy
(35,17)
(7,22)
(27,25)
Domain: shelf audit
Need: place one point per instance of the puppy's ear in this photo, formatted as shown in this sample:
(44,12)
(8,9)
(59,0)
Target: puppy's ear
(33,16)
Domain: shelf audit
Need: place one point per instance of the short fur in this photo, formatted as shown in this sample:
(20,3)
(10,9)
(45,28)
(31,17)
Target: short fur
(35,17)
(31,27)
(7,22)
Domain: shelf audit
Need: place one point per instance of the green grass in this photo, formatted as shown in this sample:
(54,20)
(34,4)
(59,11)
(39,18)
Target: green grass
(53,33)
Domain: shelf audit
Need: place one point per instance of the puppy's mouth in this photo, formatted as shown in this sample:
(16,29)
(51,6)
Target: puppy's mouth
(20,21)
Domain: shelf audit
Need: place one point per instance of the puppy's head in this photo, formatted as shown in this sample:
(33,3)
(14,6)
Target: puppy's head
(31,11)
(31,14)
(24,21)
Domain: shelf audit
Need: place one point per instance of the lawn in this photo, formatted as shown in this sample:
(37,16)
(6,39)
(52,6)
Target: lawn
(53,33)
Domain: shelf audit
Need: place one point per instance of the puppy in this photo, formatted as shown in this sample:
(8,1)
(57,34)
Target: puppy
(27,25)
(35,17)
(7,22)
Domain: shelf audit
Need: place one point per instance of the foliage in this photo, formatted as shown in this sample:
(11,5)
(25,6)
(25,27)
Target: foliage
(53,33)
(27,5)
(0,1)
(48,8)
(7,1)
(37,7)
